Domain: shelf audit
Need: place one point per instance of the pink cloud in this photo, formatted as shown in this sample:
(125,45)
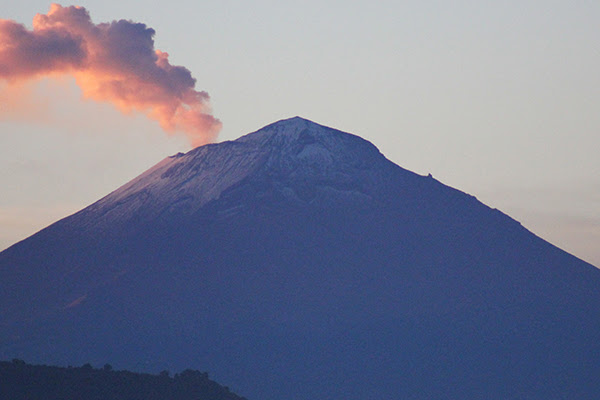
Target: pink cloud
(114,62)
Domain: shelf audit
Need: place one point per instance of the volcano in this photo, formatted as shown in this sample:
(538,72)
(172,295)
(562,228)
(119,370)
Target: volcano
(297,263)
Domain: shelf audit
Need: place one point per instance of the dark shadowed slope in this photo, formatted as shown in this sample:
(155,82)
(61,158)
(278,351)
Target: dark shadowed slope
(298,263)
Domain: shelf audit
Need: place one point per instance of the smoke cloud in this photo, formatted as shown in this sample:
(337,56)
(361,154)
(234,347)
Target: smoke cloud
(114,62)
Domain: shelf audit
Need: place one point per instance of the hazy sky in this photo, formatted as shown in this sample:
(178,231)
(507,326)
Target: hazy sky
(499,99)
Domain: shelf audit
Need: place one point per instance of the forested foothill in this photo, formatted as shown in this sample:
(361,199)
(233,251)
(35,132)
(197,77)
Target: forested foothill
(22,381)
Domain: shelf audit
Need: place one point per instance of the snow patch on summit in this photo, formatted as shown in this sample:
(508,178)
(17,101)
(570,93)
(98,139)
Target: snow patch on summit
(184,182)
(316,154)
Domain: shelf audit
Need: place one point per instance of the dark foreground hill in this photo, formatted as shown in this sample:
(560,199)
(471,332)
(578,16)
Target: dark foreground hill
(21,381)
(299,263)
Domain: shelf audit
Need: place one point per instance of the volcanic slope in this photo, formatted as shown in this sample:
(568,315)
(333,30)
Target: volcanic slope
(297,262)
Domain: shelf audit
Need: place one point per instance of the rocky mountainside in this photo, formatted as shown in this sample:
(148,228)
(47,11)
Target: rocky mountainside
(298,262)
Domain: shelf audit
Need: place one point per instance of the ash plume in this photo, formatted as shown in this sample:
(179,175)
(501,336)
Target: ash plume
(114,62)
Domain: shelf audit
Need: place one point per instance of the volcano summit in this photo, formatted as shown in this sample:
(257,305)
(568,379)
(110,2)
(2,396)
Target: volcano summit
(297,262)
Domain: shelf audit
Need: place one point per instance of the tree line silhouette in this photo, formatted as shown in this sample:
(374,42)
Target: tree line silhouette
(22,381)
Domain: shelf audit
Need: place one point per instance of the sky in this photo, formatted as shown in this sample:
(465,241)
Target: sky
(498,99)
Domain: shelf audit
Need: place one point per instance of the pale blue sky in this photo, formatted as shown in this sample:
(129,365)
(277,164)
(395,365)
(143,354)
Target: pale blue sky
(499,99)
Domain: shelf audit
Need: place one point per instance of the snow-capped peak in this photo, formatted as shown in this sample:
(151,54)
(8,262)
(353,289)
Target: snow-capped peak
(295,148)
